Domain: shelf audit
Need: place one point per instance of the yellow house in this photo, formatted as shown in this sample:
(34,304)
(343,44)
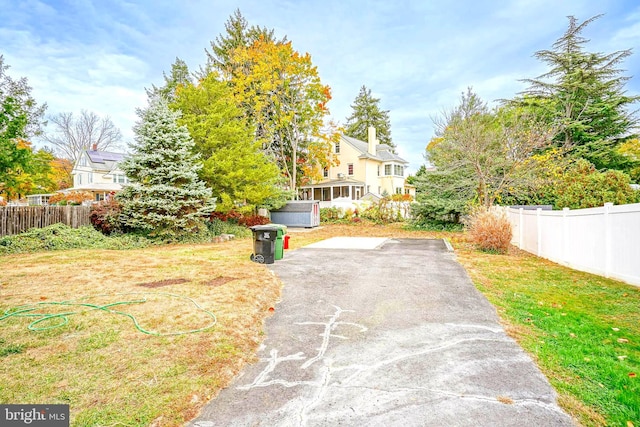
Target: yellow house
(98,173)
(367,170)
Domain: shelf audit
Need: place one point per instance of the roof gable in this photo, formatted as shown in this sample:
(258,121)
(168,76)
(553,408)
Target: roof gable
(383,151)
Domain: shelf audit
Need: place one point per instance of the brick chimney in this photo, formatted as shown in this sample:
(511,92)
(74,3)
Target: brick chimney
(94,147)
(371,134)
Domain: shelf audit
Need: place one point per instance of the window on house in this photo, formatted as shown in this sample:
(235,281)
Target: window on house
(119,178)
(398,190)
(378,170)
(338,147)
(79,179)
(406,191)
(325,172)
(90,177)
(350,168)
(398,170)
(387,169)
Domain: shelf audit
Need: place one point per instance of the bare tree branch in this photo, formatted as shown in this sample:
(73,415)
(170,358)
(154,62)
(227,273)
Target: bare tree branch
(72,135)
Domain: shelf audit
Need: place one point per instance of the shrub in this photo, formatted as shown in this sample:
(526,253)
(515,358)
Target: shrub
(331,214)
(383,212)
(105,216)
(490,230)
(71,198)
(218,227)
(251,220)
(60,237)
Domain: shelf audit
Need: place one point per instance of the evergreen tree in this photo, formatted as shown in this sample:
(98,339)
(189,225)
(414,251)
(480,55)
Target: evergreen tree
(367,112)
(583,92)
(235,167)
(166,198)
(238,34)
(179,76)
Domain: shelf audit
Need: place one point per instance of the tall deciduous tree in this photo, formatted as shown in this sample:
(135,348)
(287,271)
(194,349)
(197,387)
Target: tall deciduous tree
(366,113)
(584,93)
(20,119)
(73,134)
(165,198)
(234,165)
(282,95)
(493,147)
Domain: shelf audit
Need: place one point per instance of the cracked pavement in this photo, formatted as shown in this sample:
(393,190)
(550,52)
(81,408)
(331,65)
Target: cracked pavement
(384,336)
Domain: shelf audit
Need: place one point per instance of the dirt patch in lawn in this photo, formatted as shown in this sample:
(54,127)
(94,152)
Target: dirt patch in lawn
(219,281)
(161,283)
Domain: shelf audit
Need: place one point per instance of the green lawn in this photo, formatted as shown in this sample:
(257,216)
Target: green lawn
(583,330)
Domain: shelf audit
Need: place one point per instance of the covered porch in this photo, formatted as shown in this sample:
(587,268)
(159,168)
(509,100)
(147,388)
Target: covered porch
(330,190)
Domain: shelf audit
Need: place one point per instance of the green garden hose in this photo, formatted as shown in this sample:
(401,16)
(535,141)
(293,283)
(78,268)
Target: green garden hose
(27,310)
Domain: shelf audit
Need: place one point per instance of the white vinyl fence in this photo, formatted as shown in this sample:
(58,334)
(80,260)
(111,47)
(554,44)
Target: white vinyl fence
(603,241)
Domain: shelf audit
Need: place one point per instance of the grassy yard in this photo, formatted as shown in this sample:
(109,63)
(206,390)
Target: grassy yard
(584,331)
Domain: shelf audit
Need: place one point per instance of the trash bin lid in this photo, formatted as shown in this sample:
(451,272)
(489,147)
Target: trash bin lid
(264,228)
(282,229)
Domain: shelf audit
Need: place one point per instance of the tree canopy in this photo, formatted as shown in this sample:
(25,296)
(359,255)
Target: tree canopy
(367,112)
(234,166)
(20,119)
(583,92)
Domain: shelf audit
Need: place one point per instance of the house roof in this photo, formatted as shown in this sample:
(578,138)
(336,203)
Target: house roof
(104,160)
(383,151)
(335,183)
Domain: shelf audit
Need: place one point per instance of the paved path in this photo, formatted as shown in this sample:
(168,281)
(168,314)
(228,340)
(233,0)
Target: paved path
(396,335)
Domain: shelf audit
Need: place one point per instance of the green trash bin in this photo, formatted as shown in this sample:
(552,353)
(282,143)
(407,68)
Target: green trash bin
(279,249)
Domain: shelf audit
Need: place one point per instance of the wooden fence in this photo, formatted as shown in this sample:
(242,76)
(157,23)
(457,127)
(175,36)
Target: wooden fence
(17,219)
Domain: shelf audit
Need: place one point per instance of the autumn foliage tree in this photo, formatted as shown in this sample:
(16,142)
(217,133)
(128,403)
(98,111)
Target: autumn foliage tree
(282,96)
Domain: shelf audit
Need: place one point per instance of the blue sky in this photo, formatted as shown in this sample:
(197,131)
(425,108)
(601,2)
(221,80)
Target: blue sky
(416,56)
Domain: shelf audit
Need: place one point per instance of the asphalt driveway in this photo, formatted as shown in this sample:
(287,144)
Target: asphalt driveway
(384,333)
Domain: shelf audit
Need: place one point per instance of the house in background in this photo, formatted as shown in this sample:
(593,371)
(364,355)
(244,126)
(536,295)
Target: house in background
(98,172)
(367,170)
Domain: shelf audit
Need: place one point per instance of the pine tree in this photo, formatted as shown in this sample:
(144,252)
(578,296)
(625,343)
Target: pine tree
(584,94)
(238,34)
(165,199)
(178,76)
(367,112)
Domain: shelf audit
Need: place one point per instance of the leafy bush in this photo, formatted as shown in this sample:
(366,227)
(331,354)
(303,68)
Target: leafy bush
(383,212)
(251,220)
(105,216)
(490,230)
(71,198)
(60,237)
(217,227)
(583,186)
(434,226)
(331,215)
